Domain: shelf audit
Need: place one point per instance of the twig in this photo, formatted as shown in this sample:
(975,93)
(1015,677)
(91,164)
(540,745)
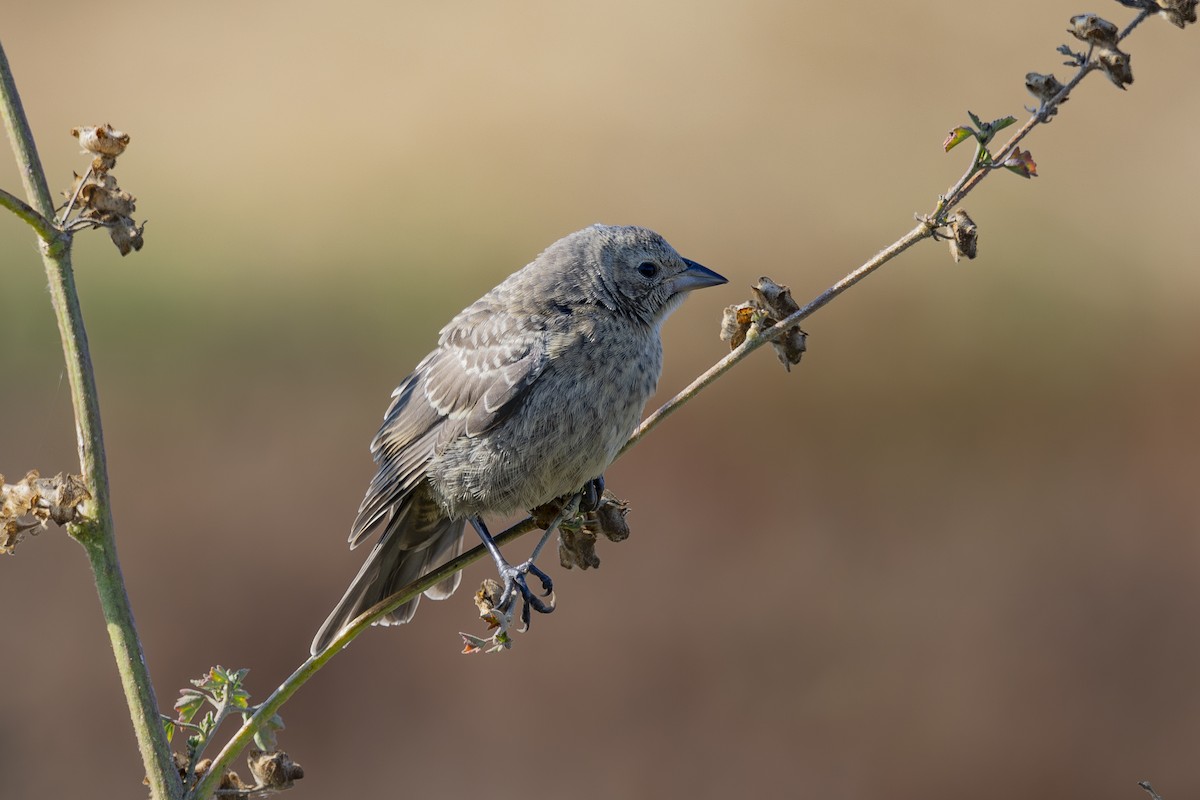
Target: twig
(970,179)
(45,229)
(1042,116)
(1150,790)
(269,707)
(62,223)
(222,713)
(752,343)
(96,533)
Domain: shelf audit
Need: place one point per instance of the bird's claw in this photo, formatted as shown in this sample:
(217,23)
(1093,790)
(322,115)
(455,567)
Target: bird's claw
(591,495)
(515,583)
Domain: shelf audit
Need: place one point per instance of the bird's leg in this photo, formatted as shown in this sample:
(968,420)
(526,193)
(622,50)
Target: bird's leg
(586,499)
(514,576)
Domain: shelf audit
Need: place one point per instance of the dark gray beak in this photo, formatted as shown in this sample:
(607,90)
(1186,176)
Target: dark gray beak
(696,276)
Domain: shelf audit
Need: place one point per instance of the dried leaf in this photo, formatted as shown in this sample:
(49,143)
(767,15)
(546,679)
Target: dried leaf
(1022,163)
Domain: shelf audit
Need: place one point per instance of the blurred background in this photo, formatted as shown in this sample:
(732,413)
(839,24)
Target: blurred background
(953,553)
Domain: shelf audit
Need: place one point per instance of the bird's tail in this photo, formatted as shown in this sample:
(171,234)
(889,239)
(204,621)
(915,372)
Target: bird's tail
(417,537)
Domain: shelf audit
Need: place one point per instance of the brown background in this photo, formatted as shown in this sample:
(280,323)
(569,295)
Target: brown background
(953,554)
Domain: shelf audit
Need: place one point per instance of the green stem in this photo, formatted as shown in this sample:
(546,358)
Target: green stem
(220,765)
(96,533)
(45,229)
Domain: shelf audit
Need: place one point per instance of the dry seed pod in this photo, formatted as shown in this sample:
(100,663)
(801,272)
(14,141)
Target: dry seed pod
(276,770)
(1093,29)
(966,236)
(1178,12)
(736,322)
(101,140)
(778,302)
(1044,87)
(1115,64)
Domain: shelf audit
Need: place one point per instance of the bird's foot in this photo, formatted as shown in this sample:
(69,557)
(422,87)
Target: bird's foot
(516,583)
(591,495)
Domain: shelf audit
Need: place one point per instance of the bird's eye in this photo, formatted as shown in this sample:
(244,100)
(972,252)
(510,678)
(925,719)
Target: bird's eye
(647,269)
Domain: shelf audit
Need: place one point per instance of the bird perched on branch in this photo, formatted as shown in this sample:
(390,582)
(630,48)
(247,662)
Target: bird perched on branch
(528,397)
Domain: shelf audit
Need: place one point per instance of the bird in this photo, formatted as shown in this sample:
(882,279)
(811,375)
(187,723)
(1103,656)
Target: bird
(529,395)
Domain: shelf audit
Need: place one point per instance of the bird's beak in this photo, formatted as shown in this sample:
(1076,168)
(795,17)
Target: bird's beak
(695,276)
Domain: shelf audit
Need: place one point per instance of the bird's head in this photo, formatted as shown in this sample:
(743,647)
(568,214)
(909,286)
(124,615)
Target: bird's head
(639,273)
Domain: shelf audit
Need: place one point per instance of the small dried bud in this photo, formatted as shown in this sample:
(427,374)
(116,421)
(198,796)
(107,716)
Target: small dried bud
(737,322)
(779,304)
(1044,87)
(1093,29)
(275,770)
(1115,64)
(107,201)
(126,235)
(609,519)
(772,302)
(1178,12)
(966,236)
(577,547)
(101,140)
(230,781)
(34,501)
(488,596)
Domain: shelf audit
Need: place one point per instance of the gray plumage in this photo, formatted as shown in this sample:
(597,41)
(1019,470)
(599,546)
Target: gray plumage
(530,393)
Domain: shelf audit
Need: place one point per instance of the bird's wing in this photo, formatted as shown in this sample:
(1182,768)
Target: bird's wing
(485,361)
(489,358)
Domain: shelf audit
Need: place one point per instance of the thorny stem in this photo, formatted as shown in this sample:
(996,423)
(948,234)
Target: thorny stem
(96,532)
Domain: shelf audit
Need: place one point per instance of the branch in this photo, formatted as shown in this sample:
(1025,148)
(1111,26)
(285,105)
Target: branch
(955,196)
(269,707)
(981,166)
(46,230)
(922,231)
(95,533)
(928,229)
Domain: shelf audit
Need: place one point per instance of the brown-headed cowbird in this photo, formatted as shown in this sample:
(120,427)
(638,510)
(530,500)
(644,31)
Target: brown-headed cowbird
(528,397)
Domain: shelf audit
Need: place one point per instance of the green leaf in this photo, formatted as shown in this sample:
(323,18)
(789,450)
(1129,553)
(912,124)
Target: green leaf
(956,137)
(1001,124)
(239,698)
(188,705)
(975,120)
(169,727)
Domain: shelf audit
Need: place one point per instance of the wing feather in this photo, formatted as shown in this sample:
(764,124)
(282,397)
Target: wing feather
(485,362)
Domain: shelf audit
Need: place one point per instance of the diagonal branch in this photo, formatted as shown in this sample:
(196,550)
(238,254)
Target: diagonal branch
(312,664)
